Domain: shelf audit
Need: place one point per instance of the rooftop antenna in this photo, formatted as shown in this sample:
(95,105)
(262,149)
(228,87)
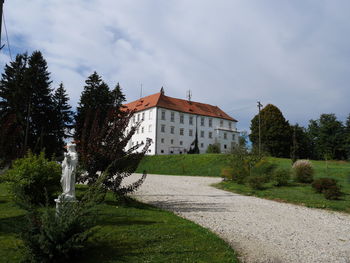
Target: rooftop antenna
(189,95)
(141,92)
(1,9)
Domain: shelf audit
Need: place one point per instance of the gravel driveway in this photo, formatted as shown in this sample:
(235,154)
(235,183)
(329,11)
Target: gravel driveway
(259,230)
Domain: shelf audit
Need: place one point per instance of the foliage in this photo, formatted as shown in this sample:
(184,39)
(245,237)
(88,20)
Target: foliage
(347,137)
(256,182)
(227,173)
(96,96)
(327,186)
(303,171)
(194,149)
(263,168)
(328,137)
(28,116)
(281,177)
(30,177)
(102,148)
(301,144)
(275,132)
(213,148)
(57,236)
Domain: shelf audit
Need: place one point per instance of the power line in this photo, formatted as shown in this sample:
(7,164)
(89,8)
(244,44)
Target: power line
(7,36)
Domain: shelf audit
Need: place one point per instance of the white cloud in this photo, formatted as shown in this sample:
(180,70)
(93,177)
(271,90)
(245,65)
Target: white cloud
(294,54)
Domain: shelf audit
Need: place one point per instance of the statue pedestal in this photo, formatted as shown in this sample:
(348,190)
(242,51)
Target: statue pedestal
(59,202)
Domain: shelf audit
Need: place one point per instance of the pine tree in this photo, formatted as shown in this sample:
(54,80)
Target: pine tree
(42,110)
(118,97)
(96,96)
(347,137)
(13,108)
(275,132)
(64,117)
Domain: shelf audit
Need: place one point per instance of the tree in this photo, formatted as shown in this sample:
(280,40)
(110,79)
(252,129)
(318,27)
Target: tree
(13,108)
(41,106)
(64,117)
(301,145)
(347,137)
(104,151)
(95,96)
(195,149)
(327,135)
(275,132)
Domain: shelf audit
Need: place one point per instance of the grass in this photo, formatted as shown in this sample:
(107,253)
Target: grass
(303,194)
(126,233)
(211,165)
(186,164)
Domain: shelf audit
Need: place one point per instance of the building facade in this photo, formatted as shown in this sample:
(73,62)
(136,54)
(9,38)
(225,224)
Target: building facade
(172,125)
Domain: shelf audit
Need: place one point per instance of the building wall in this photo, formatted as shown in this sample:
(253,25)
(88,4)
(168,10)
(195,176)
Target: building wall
(175,143)
(146,130)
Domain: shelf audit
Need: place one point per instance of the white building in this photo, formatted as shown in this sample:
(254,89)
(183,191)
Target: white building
(172,124)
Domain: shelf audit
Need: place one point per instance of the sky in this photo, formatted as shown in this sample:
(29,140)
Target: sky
(229,53)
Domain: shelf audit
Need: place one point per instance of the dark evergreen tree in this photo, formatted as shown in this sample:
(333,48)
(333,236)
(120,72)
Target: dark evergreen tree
(347,137)
(118,97)
(276,136)
(64,117)
(301,147)
(327,135)
(96,96)
(42,107)
(14,96)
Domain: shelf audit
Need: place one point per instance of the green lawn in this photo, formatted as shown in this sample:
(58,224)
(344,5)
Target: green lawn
(185,164)
(127,233)
(303,193)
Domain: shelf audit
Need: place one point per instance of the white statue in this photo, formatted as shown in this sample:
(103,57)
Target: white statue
(69,165)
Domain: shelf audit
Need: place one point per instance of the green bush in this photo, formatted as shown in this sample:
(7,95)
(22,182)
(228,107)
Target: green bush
(332,193)
(328,187)
(256,182)
(263,168)
(32,177)
(303,171)
(213,148)
(227,173)
(281,177)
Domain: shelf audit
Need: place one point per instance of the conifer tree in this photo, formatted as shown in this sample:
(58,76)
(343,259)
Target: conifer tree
(347,137)
(64,117)
(95,96)
(275,132)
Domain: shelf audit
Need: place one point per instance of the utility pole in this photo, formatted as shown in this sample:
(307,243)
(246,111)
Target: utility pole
(1,6)
(259,106)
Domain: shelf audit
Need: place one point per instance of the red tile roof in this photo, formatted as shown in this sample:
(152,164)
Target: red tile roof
(162,101)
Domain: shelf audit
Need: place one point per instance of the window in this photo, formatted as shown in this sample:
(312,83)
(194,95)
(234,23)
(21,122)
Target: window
(202,145)
(210,122)
(143,116)
(138,130)
(172,128)
(149,151)
(181,142)
(134,119)
(181,118)
(190,120)
(190,132)
(202,134)
(162,128)
(202,121)
(225,146)
(138,117)
(142,129)
(163,115)
(149,128)
(225,135)
(162,140)
(221,123)
(132,143)
(172,116)
(233,137)
(162,151)
(181,131)
(230,125)
(171,141)
(210,135)
(150,114)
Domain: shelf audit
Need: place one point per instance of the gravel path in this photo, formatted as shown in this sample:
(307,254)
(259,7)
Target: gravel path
(259,230)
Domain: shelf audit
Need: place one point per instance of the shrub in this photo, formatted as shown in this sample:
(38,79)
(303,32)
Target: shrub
(227,173)
(256,182)
(328,187)
(241,163)
(213,148)
(303,171)
(332,193)
(33,176)
(263,168)
(281,177)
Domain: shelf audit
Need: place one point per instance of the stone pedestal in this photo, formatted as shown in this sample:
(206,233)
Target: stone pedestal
(59,203)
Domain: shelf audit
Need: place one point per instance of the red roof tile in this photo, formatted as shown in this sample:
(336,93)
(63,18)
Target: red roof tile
(162,101)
